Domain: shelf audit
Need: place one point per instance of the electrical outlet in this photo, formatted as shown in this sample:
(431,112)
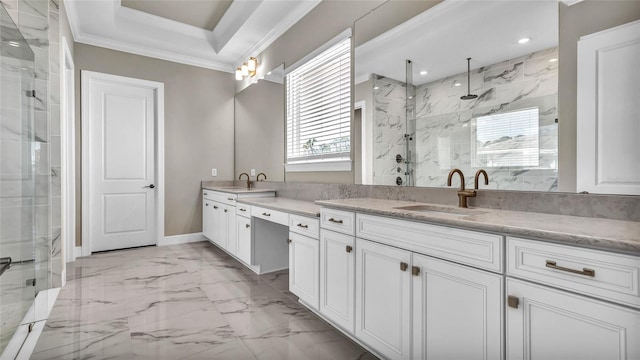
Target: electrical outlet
(214,172)
(253,172)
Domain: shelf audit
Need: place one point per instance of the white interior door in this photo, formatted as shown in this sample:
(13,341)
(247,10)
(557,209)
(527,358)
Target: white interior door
(608,129)
(120,116)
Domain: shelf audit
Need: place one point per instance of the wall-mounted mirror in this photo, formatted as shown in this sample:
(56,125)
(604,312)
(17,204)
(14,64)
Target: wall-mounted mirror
(259,126)
(423,113)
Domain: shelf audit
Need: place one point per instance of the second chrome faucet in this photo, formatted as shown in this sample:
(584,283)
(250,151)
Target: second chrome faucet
(462,193)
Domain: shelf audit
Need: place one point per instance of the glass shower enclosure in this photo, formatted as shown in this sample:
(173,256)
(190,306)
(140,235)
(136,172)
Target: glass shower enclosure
(19,155)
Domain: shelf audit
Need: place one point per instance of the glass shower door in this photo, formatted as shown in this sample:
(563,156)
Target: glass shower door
(17,181)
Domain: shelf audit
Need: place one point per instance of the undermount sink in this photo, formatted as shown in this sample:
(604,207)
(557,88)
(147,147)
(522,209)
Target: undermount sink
(441,210)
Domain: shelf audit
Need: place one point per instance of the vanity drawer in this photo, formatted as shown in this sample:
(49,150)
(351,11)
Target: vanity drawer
(225,198)
(243,210)
(305,226)
(597,273)
(467,247)
(275,216)
(338,220)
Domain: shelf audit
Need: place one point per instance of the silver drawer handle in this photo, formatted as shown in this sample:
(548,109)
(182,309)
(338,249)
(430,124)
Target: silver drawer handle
(225,210)
(587,272)
(335,221)
(241,209)
(247,225)
(266,214)
(215,207)
(230,199)
(303,226)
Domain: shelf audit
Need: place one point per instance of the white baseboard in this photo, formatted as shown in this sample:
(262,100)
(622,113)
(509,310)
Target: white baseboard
(77,251)
(181,239)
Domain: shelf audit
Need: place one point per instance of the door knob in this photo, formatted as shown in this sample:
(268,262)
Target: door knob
(150,186)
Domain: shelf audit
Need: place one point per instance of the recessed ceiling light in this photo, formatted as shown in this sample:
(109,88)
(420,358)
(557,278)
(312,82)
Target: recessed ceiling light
(14,43)
(376,87)
(524,40)
(457,83)
(553,60)
(423,72)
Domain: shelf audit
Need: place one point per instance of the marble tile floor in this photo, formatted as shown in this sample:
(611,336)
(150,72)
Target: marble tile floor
(189,301)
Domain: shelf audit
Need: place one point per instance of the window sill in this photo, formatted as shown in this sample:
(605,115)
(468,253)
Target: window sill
(336,165)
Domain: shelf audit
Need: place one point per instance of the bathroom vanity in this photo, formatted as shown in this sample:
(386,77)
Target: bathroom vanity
(411,281)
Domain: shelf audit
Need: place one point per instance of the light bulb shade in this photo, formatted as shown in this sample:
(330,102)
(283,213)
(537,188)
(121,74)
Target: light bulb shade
(238,74)
(252,64)
(245,69)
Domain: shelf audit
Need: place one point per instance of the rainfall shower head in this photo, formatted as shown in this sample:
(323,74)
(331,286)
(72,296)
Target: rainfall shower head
(469,95)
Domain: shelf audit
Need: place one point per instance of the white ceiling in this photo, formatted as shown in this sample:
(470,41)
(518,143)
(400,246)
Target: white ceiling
(198,13)
(440,39)
(245,28)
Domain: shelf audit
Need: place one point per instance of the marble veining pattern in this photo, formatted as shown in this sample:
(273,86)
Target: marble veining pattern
(614,235)
(189,301)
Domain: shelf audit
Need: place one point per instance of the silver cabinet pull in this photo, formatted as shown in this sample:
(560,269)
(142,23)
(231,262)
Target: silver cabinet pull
(335,221)
(303,226)
(586,272)
(241,209)
(404,266)
(247,226)
(225,210)
(230,199)
(349,248)
(513,301)
(215,207)
(266,214)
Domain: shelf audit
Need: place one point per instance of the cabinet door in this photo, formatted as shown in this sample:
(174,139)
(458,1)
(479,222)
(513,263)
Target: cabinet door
(215,223)
(243,234)
(207,211)
(304,277)
(337,278)
(383,298)
(551,324)
(457,311)
(228,224)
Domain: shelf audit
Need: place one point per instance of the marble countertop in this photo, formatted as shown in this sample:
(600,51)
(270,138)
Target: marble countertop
(236,189)
(292,206)
(605,234)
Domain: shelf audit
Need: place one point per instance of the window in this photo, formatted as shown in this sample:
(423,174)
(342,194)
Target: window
(318,101)
(507,139)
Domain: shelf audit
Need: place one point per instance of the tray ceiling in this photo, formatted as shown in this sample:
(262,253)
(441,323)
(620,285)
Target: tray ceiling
(218,35)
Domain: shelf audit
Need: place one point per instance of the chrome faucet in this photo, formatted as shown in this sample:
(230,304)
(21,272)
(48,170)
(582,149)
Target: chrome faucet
(248,179)
(477,177)
(263,174)
(462,193)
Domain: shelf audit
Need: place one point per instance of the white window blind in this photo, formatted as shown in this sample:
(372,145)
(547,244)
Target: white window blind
(507,139)
(318,100)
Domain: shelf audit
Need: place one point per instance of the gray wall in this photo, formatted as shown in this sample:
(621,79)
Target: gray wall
(199,128)
(578,20)
(259,124)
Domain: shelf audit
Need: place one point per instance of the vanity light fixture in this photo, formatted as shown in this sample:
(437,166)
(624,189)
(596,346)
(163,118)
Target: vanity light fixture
(524,40)
(247,69)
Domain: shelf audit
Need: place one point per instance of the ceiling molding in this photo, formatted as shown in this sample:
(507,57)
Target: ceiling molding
(246,29)
(571,2)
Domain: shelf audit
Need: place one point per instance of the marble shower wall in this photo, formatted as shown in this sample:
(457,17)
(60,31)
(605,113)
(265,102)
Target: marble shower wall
(446,125)
(38,22)
(390,126)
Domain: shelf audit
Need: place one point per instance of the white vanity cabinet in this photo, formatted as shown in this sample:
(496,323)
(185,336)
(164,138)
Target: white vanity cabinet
(243,234)
(383,298)
(582,306)
(219,218)
(304,259)
(337,278)
(457,311)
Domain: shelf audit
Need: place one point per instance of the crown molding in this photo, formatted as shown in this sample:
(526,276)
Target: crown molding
(571,2)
